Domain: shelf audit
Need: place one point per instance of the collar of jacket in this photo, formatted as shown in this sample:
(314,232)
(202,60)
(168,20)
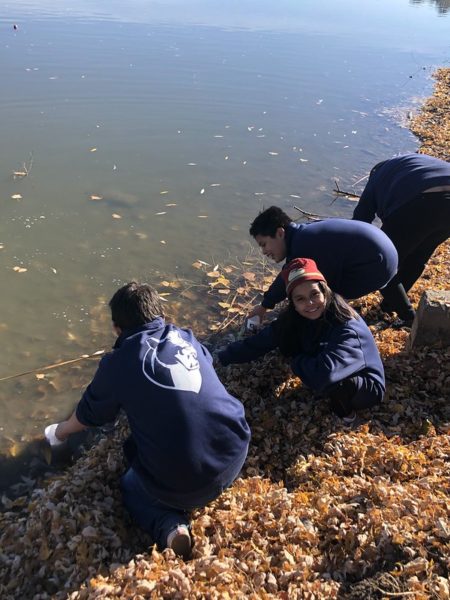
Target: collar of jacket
(152,326)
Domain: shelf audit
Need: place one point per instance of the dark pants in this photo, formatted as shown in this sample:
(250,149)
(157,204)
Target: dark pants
(416,230)
(157,517)
(354,393)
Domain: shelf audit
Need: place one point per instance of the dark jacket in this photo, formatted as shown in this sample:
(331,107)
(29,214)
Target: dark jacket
(355,258)
(329,352)
(395,182)
(189,431)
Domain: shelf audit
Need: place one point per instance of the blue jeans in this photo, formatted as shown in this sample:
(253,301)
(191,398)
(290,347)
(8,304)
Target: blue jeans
(150,514)
(158,518)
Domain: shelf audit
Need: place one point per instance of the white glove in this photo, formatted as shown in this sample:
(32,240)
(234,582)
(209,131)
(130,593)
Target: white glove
(51,437)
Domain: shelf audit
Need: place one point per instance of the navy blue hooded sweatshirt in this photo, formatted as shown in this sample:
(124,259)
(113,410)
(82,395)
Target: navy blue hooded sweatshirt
(189,431)
(393,183)
(328,354)
(355,258)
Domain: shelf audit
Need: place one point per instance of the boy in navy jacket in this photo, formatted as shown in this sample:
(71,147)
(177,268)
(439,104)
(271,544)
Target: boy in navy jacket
(189,437)
(330,347)
(411,196)
(355,258)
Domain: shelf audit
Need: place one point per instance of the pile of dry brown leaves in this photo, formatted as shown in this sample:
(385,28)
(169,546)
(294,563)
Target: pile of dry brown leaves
(321,511)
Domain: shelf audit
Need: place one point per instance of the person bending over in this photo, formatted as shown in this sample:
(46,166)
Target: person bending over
(411,196)
(355,258)
(189,436)
(330,347)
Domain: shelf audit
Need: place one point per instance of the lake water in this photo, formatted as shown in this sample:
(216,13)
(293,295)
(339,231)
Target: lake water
(146,135)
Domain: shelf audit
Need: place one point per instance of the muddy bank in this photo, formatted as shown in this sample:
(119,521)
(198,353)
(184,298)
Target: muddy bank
(320,511)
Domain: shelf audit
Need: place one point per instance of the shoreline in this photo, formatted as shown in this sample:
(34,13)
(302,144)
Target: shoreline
(319,512)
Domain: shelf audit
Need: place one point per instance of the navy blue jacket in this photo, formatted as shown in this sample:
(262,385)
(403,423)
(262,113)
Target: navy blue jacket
(328,354)
(355,258)
(189,431)
(395,182)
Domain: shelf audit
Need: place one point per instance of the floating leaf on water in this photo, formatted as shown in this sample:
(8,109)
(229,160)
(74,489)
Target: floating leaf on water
(116,216)
(93,150)
(224,291)
(223,281)
(202,191)
(54,270)
(161,213)
(203,262)
(141,235)
(202,216)
(164,192)
(20,269)
(94,197)
(213,274)
(215,184)
(249,276)
(16,196)
(40,375)
(2,246)
(20,173)
(192,164)
(197,265)
(172,204)
(224,304)
(273,153)
(163,241)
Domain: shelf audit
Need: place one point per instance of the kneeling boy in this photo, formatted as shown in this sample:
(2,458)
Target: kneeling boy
(189,436)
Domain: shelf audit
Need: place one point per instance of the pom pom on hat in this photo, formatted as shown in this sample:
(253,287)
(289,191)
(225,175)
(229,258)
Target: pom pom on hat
(299,270)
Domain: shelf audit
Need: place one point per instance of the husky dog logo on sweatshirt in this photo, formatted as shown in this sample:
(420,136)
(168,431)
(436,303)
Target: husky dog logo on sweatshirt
(171,362)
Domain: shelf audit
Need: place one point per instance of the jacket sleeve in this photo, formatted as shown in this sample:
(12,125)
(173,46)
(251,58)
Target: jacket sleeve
(340,357)
(366,207)
(276,293)
(99,403)
(249,348)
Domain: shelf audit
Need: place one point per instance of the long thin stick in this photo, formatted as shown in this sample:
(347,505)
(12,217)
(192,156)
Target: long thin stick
(340,192)
(309,215)
(54,366)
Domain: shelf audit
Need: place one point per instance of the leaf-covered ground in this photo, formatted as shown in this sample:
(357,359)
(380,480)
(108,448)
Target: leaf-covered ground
(321,511)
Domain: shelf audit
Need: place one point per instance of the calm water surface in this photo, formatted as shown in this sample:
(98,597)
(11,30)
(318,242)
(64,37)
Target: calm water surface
(185,119)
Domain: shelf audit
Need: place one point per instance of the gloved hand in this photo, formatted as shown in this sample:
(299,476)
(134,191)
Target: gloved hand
(51,437)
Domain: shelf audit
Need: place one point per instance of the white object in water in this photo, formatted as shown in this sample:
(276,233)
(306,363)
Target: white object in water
(51,437)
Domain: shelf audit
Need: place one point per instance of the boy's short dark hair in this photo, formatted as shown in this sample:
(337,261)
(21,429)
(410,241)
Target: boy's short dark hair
(268,221)
(135,304)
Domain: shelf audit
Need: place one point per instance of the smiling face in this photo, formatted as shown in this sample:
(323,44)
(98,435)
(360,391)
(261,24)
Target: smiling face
(309,300)
(273,247)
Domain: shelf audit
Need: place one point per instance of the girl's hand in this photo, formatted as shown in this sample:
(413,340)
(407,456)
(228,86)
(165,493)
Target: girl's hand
(258,311)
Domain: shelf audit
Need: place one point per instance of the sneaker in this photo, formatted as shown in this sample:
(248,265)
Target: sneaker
(179,540)
(349,419)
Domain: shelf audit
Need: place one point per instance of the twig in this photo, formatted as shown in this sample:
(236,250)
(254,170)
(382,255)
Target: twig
(54,366)
(309,215)
(394,594)
(26,169)
(340,192)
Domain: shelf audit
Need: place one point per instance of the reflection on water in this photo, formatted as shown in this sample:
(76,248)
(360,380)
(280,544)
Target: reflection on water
(442,5)
(137,138)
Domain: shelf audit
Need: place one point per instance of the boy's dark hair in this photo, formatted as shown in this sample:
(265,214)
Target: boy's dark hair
(135,304)
(268,221)
(290,326)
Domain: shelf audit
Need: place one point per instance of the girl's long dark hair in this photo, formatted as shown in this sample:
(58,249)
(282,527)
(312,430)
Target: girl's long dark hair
(290,326)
